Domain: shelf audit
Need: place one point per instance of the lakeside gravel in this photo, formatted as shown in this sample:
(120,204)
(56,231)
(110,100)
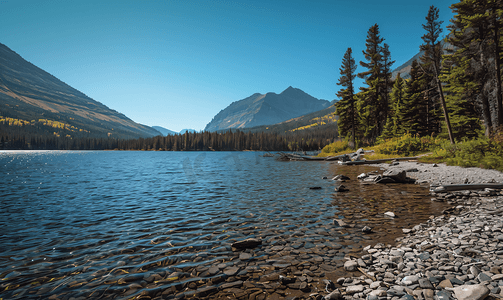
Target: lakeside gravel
(442,174)
(458,255)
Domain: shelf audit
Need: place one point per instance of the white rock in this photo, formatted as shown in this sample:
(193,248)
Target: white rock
(471,292)
(396,252)
(379,293)
(390,214)
(354,289)
(376,284)
(350,265)
(409,280)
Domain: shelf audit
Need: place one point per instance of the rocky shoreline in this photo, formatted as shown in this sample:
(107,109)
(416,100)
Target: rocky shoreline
(458,255)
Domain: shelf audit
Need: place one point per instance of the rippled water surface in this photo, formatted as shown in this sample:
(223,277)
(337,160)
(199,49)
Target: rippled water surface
(126,224)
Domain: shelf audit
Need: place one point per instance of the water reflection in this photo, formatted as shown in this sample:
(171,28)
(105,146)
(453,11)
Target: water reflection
(122,224)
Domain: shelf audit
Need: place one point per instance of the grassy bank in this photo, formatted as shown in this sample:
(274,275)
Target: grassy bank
(481,152)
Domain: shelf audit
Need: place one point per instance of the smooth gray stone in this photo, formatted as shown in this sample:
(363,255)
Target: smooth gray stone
(335,295)
(424,256)
(471,292)
(424,283)
(354,289)
(443,295)
(456,281)
(483,277)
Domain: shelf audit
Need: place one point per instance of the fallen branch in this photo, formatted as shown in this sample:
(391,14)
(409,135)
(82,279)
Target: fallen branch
(376,161)
(366,275)
(464,187)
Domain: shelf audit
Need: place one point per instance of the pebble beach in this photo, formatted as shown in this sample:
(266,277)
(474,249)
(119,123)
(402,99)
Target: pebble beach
(458,255)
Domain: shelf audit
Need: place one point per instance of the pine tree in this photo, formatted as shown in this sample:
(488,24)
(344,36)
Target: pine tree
(465,120)
(348,122)
(475,32)
(432,56)
(387,83)
(394,123)
(374,108)
(371,95)
(415,107)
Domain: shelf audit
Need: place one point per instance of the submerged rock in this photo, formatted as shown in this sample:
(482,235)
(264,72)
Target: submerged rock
(341,188)
(341,177)
(247,244)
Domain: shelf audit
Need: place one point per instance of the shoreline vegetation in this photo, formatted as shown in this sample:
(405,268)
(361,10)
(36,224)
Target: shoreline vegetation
(486,153)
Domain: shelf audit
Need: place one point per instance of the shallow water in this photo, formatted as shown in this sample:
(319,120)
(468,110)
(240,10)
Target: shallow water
(101,224)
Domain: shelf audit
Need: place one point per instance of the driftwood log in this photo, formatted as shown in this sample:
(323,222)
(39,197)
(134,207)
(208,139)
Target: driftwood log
(376,161)
(464,187)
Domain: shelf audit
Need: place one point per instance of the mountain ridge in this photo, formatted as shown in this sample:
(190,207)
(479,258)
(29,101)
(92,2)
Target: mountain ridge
(30,93)
(264,109)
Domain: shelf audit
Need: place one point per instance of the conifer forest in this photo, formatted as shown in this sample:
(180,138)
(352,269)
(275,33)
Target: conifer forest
(453,91)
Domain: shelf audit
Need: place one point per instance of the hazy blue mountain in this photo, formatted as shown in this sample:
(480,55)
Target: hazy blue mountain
(264,109)
(164,131)
(404,69)
(29,93)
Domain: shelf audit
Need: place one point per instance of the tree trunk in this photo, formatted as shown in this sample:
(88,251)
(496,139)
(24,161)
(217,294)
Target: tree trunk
(499,96)
(444,106)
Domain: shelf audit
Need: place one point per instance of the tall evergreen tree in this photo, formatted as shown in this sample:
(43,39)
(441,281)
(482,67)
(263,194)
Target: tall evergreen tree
(432,56)
(372,95)
(465,119)
(387,83)
(348,122)
(415,106)
(475,32)
(394,123)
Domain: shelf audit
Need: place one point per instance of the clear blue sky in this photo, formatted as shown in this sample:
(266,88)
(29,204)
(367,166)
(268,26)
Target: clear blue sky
(176,64)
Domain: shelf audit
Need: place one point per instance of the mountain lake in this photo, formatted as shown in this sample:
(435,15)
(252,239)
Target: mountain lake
(131,224)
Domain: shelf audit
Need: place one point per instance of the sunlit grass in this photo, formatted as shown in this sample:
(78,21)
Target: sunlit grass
(481,152)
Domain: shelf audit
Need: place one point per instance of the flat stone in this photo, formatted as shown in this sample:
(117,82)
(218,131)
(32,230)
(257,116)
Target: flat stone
(456,281)
(409,280)
(484,277)
(398,176)
(231,271)
(213,270)
(270,277)
(206,291)
(428,294)
(281,265)
(229,285)
(445,284)
(376,284)
(471,292)
(379,293)
(424,283)
(424,256)
(474,271)
(353,289)
(245,256)
(350,265)
(340,223)
(497,277)
(443,295)
(335,295)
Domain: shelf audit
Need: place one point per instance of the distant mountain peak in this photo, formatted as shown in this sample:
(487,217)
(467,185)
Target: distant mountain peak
(265,109)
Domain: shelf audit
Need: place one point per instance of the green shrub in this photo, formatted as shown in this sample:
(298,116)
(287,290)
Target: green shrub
(407,145)
(482,153)
(335,147)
